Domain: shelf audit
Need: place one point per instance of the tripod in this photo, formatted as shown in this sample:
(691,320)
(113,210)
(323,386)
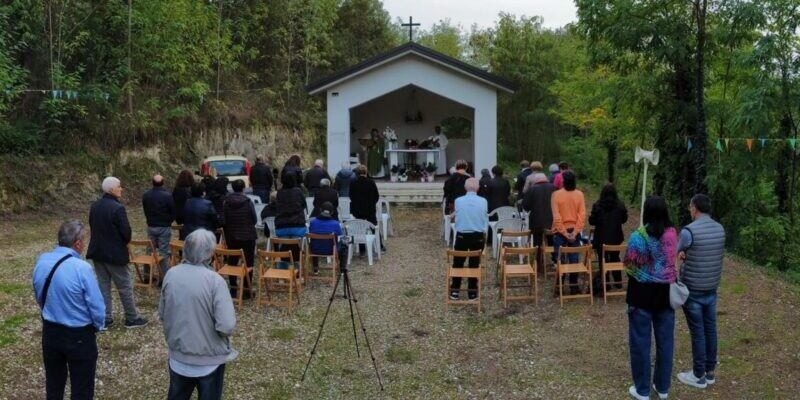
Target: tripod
(353,302)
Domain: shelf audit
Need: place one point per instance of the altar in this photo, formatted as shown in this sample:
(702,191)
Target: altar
(405,157)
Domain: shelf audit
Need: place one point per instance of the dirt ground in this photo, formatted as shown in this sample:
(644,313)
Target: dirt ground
(524,352)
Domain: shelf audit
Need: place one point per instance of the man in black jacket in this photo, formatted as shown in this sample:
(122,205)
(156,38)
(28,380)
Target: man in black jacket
(326,194)
(314,176)
(240,224)
(159,210)
(108,249)
(454,185)
(261,179)
(537,202)
(498,189)
(521,177)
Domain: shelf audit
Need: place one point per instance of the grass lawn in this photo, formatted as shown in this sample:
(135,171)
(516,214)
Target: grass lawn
(524,352)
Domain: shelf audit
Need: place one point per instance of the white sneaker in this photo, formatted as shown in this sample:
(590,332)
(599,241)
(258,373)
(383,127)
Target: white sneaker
(710,378)
(688,378)
(635,395)
(661,396)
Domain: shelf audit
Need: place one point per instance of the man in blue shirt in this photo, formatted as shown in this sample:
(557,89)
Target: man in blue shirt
(72,311)
(471,224)
(324,224)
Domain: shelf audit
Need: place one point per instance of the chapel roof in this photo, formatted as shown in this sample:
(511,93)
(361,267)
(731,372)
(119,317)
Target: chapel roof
(400,51)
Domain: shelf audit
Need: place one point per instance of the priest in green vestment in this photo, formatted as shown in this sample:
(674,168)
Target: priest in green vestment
(375,154)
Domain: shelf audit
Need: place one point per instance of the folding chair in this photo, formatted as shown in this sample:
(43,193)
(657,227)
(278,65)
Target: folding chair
(511,238)
(270,223)
(333,266)
(511,224)
(280,244)
(506,212)
(221,244)
(463,273)
(255,199)
(606,267)
(175,252)
(273,280)
(309,206)
(446,221)
(548,251)
(363,232)
(583,266)
(240,270)
(144,260)
(385,218)
(344,209)
(525,268)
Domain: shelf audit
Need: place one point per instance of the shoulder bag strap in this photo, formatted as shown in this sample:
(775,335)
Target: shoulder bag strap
(50,278)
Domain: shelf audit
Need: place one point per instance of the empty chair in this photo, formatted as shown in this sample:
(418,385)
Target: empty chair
(295,245)
(524,267)
(145,260)
(463,273)
(511,224)
(272,280)
(255,199)
(606,267)
(384,218)
(582,267)
(309,206)
(363,232)
(240,270)
(270,223)
(344,209)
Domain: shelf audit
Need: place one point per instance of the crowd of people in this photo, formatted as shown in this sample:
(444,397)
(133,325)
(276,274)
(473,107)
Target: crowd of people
(653,291)
(196,308)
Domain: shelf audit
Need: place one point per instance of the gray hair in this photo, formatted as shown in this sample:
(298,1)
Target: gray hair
(325,182)
(198,248)
(70,232)
(318,163)
(472,185)
(110,183)
(259,158)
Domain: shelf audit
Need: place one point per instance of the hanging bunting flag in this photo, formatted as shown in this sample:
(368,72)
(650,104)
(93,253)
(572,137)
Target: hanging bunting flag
(763,142)
(689,146)
(749,144)
(792,143)
(719,145)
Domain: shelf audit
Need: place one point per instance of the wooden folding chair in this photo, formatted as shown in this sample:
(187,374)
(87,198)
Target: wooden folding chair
(279,244)
(175,252)
(583,266)
(547,250)
(606,267)
(144,260)
(240,270)
(524,268)
(463,273)
(177,228)
(221,244)
(513,238)
(273,280)
(333,266)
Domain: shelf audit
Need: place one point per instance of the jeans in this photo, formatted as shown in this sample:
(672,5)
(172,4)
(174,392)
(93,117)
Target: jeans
(209,387)
(558,241)
(290,233)
(642,324)
(160,236)
(467,241)
(701,317)
(70,351)
(263,194)
(122,280)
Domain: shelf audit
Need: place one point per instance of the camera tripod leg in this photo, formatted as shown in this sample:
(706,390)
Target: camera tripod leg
(363,328)
(348,294)
(321,327)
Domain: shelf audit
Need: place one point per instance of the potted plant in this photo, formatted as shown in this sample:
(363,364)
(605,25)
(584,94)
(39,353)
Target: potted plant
(402,175)
(414,173)
(394,171)
(430,168)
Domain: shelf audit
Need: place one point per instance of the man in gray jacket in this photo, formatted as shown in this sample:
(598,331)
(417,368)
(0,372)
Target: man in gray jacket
(702,247)
(198,317)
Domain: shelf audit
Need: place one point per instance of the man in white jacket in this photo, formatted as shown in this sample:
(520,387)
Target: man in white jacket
(198,317)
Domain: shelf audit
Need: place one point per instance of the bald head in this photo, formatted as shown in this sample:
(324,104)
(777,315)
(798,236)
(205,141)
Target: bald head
(158,180)
(471,185)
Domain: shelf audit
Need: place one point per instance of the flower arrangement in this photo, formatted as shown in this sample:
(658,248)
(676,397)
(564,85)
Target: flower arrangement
(402,175)
(411,143)
(415,172)
(389,134)
(430,167)
(393,173)
(428,172)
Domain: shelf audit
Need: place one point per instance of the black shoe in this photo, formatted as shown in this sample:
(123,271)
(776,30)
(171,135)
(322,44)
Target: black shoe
(109,322)
(136,323)
(315,272)
(454,295)
(472,297)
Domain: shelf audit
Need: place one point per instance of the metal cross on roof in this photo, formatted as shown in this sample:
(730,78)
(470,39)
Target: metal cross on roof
(410,26)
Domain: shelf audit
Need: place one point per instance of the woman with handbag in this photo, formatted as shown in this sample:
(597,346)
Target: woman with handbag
(650,265)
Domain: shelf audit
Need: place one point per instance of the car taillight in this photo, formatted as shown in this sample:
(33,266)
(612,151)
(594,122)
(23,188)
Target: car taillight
(247,167)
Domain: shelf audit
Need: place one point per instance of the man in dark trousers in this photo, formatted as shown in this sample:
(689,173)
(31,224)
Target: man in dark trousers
(471,223)
(240,224)
(72,311)
(108,249)
(314,176)
(261,179)
(159,210)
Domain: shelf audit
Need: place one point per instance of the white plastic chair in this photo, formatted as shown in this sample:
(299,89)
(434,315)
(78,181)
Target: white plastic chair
(362,232)
(270,222)
(512,224)
(255,199)
(259,222)
(344,209)
(309,206)
(384,218)
(502,213)
(446,224)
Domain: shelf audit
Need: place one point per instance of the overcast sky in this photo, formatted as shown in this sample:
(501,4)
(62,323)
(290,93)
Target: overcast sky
(556,13)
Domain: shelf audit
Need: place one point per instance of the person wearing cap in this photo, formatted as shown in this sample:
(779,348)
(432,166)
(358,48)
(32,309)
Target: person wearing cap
(326,194)
(324,224)
(519,183)
(108,249)
(314,176)
(536,168)
(159,210)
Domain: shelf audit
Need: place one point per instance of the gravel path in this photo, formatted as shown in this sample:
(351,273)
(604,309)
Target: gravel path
(524,352)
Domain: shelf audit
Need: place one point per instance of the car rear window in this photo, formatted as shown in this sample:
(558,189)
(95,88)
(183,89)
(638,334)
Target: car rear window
(228,167)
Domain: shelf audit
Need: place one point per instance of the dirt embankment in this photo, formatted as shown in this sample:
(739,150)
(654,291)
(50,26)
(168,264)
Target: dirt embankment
(45,183)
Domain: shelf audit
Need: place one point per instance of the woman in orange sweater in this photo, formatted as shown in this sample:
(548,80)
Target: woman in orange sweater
(569,217)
